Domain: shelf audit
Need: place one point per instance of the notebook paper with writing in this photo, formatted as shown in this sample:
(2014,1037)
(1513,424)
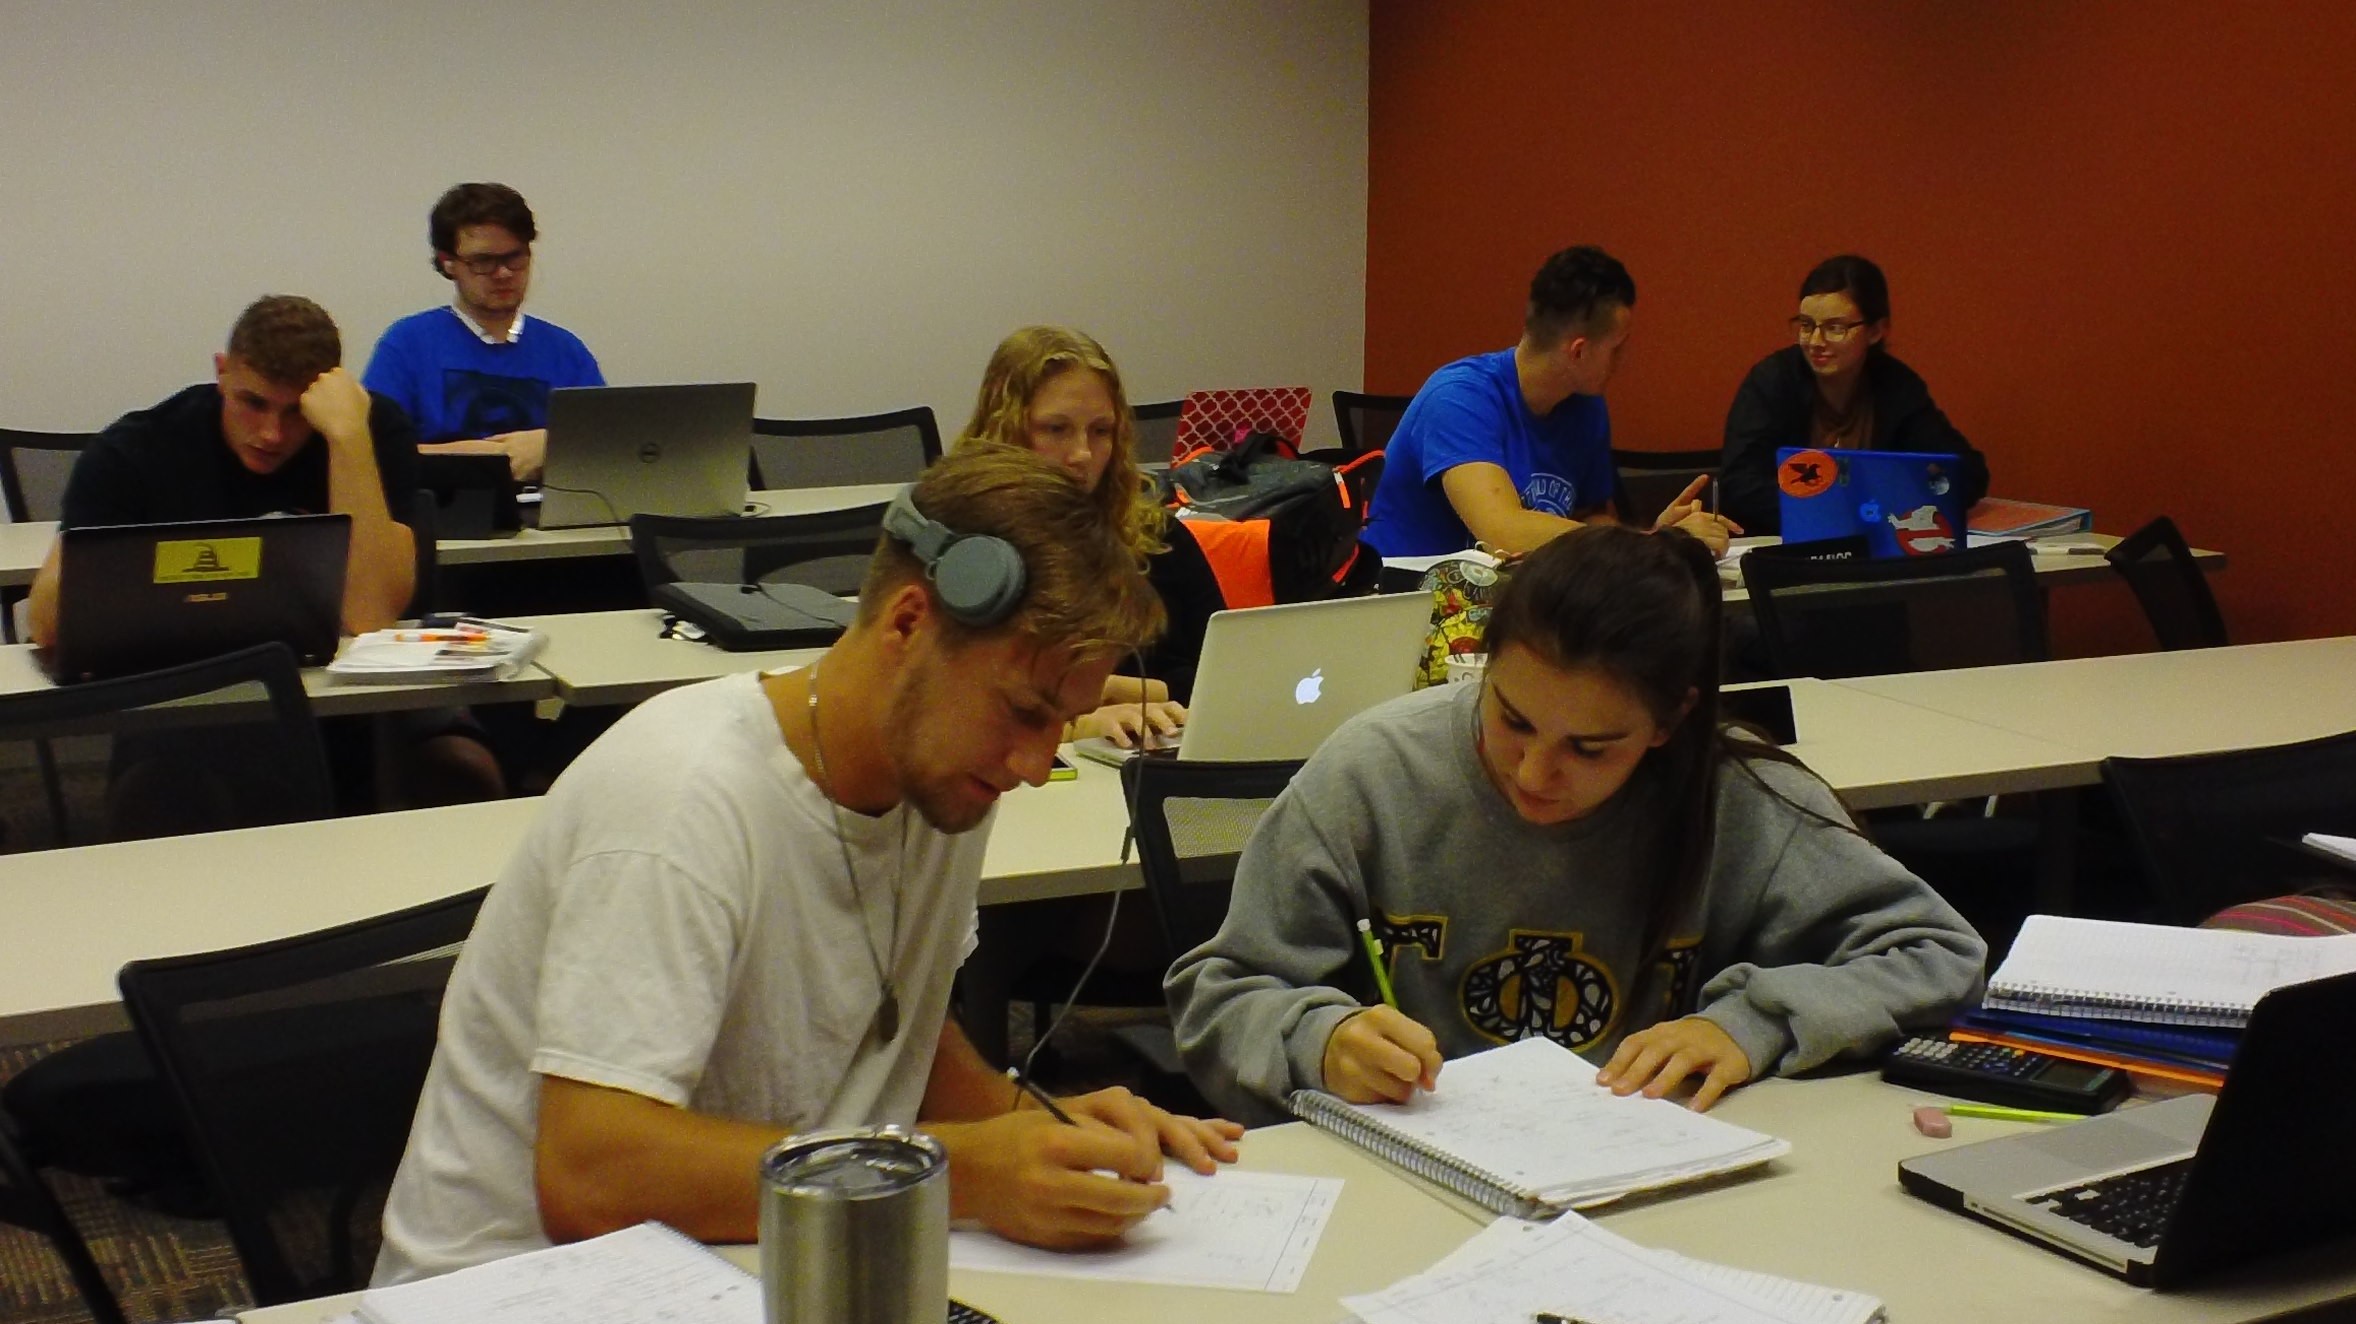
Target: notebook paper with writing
(2110,969)
(1525,1130)
(1246,1231)
(648,1274)
(1510,1272)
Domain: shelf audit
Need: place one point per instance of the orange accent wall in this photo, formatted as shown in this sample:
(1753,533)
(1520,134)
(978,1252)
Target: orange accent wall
(2120,237)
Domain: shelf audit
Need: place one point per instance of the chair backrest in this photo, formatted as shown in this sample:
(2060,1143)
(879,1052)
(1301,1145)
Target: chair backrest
(2158,566)
(2216,830)
(34,467)
(1157,432)
(838,452)
(425,521)
(1650,480)
(1366,422)
(1849,617)
(225,742)
(1191,821)
(27,1202)
(826,549)
(295,1067)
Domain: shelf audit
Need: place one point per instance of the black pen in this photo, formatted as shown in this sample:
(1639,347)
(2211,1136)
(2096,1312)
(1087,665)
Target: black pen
(1023,1083)
(1549,1317)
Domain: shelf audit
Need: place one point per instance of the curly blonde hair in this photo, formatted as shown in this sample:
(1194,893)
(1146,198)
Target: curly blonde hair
(1026,361)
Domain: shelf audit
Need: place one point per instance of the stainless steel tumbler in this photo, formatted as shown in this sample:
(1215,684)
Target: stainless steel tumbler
(855,1228)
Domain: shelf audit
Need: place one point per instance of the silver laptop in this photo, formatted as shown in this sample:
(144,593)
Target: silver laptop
(2163,1193)
(618,451)
(1274,682)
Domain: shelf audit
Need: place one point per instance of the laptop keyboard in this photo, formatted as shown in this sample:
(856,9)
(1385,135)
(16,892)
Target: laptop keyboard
(2132,1206)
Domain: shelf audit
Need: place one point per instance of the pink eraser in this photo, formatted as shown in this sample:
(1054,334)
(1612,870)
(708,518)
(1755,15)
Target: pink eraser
(1931,1120)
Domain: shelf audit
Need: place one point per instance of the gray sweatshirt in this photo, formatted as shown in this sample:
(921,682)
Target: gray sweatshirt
(1814,942)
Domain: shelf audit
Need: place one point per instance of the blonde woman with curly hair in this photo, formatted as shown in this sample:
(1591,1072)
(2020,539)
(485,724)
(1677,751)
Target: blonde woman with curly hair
(1055,392)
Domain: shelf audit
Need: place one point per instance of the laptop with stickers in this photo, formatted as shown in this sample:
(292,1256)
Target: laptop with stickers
(136,597)
(1904,503)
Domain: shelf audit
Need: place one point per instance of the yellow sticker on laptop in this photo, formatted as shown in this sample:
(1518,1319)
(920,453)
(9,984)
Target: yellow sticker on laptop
(206,560)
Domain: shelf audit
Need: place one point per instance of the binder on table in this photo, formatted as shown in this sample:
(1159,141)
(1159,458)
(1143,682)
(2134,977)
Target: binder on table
(1525,1130)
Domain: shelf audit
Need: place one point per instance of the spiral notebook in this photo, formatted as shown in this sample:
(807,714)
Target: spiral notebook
(1525,1130)
(2112,970)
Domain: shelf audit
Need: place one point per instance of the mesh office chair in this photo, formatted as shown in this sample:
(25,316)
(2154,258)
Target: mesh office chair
(1849,617)
(295,1067)
(2158,566)
(1650,480)
(826,550)
(27,1202)
(1366,422)
(34,467)
(2216,830)
(1823,611)
(838,452)
(1157,432)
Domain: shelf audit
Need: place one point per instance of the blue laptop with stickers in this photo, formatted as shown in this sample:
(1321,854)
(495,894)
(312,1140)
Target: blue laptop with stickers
(1903,503)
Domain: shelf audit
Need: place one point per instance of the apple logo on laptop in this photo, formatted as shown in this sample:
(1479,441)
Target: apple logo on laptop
(1306,692)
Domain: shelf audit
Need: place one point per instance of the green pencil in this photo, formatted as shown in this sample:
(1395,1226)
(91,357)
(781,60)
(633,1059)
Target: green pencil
(2001,1114)
(1374,957)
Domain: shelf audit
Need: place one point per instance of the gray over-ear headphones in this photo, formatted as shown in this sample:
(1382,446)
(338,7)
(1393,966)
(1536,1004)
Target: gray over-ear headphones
(978,579)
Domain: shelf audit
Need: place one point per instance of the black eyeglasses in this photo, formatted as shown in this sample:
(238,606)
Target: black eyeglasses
(489,263)
(1806,328)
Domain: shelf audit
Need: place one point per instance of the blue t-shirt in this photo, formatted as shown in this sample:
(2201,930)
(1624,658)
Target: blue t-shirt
(1471,412)
(457,388)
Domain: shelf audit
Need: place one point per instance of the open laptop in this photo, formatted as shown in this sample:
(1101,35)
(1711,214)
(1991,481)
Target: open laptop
(1274,682)
(1903,502)
(2162,1193)
(618,451)
(135,597)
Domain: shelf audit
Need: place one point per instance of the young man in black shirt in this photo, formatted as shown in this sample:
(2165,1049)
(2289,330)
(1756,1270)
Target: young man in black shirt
(282,429)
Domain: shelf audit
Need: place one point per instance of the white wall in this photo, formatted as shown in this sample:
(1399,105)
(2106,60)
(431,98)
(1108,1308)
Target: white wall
(845,202)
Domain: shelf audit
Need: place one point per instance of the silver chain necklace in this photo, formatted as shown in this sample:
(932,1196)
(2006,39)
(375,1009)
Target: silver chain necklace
(887,1012)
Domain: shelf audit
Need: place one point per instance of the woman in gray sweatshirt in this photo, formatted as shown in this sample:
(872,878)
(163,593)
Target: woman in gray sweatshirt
(1573,848)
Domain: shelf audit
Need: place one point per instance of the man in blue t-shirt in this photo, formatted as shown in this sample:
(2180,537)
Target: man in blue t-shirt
(470,376)
(1512,448)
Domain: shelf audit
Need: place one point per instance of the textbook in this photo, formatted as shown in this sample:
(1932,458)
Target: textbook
(646,1274)
(1525,1130)
(1999,517)
(2112,970)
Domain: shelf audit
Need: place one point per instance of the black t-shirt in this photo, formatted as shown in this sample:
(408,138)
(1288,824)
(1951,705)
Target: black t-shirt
(171,463)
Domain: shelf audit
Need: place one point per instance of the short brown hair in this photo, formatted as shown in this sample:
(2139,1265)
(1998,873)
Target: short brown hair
(1084,587)
(1025,361)
(286,338)
(477,204)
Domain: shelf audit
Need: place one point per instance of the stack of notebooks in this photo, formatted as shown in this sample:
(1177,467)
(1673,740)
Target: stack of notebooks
(1525,1130)
(469,650)
(2152,1000)
(1572,1269)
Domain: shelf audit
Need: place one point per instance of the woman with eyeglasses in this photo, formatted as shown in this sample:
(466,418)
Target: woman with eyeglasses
(1840,388)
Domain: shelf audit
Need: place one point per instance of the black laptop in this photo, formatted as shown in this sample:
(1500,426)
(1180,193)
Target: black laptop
(2163,1193)
(136,597)
(760,615)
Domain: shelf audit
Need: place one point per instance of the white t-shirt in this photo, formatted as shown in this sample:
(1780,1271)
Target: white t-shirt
(678,924)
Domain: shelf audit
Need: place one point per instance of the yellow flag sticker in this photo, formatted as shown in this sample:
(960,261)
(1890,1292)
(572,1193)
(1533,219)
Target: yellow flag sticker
(204,560)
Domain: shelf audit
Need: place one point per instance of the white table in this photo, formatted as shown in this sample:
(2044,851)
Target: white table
(24,546)
(620,657)
(614,539)
(77,914)
(1830,1213)
(2151,705)
(330,696)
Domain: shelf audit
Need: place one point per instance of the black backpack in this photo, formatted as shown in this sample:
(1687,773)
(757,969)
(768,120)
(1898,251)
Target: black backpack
(1314,512)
